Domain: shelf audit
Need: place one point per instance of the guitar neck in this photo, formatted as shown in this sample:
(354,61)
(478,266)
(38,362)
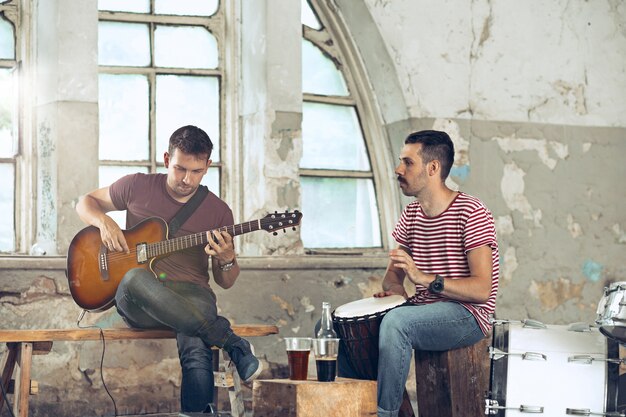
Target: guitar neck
(176,244)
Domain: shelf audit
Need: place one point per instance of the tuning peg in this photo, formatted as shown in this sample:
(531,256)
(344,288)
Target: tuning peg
(284,231)
(275,233)
(293,228)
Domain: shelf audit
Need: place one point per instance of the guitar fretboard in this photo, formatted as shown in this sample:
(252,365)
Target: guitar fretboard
(176,244)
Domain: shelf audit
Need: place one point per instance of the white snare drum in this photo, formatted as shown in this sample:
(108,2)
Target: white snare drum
(610,308)
(357,324)
(551,369)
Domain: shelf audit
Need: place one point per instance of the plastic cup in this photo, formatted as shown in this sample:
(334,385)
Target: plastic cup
(298,349)
(325,351)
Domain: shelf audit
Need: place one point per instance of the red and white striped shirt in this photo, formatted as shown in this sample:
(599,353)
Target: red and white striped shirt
(439,245)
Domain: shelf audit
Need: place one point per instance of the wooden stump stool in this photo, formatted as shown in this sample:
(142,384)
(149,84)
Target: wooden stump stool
(453,383)
(342,398)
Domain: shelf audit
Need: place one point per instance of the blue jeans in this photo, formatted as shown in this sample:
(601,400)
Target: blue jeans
(190,310)
(435,327)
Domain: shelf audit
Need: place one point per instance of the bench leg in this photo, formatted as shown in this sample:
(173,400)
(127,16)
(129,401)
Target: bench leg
(227,377)
(8,366)
(22,381)
(234,392)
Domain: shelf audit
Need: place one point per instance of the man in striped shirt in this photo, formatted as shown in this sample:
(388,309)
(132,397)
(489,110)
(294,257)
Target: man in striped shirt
(448,249)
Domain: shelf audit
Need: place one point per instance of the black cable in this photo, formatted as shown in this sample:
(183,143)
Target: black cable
(6,400)
(80,317)
(82,314)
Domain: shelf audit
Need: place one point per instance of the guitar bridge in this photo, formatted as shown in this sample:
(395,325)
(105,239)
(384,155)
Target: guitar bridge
(142,253)
(103,263)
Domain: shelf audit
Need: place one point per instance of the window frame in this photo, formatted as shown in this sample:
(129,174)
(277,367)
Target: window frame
(19,14)
(336,43)
(215,25)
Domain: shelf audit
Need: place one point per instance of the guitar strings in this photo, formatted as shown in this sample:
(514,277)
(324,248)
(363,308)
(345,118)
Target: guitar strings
(191,239)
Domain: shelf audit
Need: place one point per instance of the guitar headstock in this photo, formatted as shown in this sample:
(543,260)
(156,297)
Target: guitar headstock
(280,221)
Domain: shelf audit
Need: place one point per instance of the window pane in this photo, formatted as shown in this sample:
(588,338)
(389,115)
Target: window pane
(124,112)
(187,100)
(308,16)
(340,213)
(7,213)
(7,39)
(110,174)
(319,73)
(184,47)
(134,6)
(211,179)
(8,146)
(186,7)
(123,44)
(332,138)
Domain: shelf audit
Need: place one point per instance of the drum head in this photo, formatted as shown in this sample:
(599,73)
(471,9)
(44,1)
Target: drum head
(368,306)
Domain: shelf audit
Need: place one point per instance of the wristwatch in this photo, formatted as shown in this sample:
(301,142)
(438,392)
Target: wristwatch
(436,286)
(228,266)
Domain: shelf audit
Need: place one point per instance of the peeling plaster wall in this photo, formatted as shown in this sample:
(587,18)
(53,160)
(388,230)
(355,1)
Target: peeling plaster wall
(547,62)
(556,194)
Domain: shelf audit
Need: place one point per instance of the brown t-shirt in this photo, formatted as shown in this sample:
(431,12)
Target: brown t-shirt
(145,195)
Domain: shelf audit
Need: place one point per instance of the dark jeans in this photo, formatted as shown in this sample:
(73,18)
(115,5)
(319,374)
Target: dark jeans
(144,302)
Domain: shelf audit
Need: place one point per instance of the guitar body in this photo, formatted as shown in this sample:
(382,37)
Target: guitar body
(93,288)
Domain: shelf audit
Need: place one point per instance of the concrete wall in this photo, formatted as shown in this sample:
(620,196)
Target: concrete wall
(531,92)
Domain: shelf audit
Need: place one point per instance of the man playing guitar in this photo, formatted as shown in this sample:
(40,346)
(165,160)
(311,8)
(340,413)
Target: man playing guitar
(179,297)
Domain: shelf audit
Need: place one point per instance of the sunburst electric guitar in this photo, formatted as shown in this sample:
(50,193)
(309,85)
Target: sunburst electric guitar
(94,272)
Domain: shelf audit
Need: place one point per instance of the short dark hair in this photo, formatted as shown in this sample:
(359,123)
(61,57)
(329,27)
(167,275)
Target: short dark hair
(191,140)
(435,145)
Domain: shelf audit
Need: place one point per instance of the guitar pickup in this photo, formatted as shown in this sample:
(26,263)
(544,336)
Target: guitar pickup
(142,253)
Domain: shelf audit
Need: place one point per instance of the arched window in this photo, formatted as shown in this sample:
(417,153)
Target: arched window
(160,68)
(339,194)
(8,125)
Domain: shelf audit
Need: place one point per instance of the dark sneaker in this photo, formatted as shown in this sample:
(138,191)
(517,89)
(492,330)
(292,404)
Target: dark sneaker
(248,366)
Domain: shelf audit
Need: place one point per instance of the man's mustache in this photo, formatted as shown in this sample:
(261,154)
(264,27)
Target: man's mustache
(401,179)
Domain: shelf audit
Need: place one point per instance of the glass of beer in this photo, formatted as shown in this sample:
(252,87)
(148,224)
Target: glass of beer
(325,351)
(298,349)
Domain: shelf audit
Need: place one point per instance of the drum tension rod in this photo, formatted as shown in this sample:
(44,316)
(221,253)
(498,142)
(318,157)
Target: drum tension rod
(588,359)
(496,354)
(492,405)
(587,412)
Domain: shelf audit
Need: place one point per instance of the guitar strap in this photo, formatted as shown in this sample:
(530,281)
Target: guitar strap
(187,210)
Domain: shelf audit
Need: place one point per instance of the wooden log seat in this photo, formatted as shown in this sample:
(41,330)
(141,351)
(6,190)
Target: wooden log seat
(453,383)
(22,344)
(340,398)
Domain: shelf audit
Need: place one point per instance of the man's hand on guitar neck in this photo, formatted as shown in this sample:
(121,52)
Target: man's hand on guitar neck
(221,247)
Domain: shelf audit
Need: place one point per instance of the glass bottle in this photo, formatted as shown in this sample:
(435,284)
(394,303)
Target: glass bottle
(326,330)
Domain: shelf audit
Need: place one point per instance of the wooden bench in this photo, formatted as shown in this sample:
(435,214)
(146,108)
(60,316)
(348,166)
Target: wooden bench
(22,344)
